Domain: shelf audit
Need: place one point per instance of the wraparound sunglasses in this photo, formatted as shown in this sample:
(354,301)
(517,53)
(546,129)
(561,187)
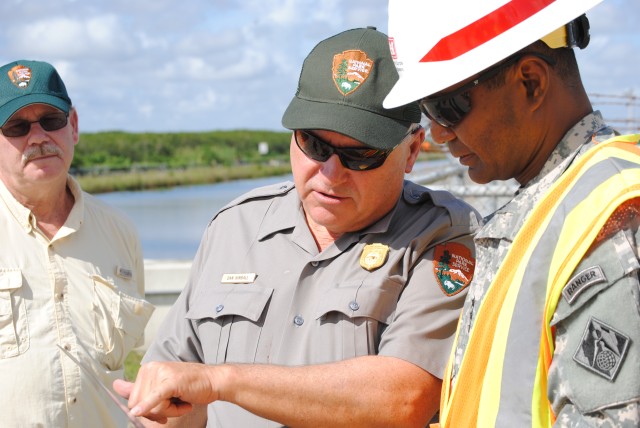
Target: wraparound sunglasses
(450,108)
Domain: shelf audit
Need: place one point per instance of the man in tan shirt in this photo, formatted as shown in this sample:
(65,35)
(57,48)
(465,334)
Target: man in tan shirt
(71,269)
(332,300)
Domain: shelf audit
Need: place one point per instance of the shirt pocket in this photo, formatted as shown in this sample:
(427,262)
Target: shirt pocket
(119,321)
(229,321)
(14,332)
(364,310)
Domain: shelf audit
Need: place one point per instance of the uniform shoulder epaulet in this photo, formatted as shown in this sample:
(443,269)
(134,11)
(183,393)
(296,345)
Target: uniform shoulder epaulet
(264,192)
(458,209)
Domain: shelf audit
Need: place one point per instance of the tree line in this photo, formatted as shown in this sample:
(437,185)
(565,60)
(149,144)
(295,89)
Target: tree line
(123,151)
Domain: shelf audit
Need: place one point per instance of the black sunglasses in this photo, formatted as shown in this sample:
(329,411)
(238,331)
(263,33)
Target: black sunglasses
(354,158)
(450,108)
(48,122)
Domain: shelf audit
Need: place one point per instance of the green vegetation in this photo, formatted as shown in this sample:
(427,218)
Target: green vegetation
(119,161)
(132,364)
(111,161)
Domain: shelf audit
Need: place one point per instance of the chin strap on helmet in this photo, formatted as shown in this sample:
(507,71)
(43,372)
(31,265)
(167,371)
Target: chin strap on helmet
(575,34)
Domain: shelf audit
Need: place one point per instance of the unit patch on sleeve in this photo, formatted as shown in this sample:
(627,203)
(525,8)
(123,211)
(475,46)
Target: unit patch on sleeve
(453,267)
(602,349)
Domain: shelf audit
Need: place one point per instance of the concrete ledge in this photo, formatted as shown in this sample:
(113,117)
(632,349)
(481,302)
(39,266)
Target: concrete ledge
(164,280)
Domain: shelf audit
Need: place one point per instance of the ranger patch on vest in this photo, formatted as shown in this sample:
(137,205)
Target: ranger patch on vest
(453,267)
(602,349)
(581,281)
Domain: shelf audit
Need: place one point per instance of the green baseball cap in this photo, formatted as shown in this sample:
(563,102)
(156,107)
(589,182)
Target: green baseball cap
(30,82)
(342,85)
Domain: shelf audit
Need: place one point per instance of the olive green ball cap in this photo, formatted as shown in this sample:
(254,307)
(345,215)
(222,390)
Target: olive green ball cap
(342,85)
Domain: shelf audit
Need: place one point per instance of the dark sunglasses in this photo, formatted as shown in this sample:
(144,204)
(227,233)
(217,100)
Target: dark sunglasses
(48,122)
(354,158)
(450,108)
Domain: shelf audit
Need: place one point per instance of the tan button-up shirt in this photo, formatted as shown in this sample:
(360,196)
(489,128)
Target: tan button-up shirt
(81,290)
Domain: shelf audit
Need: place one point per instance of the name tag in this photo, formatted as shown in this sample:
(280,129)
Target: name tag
(124,273)
(238,278)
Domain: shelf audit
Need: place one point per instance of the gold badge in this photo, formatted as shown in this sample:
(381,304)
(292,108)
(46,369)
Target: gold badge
(350,70)
(20,76)
(373,256)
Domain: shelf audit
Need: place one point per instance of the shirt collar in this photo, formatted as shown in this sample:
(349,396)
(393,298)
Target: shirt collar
(581,133)
(25,217)
(280,216)
(21,213)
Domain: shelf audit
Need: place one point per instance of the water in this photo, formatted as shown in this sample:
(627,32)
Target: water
(170,222)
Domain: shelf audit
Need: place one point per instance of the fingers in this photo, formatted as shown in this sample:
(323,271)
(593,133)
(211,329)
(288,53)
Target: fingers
(169,389)
(122,387)
(156,408)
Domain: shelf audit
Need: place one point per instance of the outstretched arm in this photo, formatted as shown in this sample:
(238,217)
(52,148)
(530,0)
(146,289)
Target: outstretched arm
(366,391)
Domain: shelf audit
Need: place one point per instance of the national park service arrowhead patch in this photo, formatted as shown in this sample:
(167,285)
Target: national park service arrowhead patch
(373,256)
(20,76)
(350,70)
(453,267)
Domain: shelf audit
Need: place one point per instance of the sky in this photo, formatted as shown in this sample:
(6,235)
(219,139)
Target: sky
(201,65)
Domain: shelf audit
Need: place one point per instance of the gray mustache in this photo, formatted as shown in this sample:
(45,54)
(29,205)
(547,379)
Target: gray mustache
(43,149)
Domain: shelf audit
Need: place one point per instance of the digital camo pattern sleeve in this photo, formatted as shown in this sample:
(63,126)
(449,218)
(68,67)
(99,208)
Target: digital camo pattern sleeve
(594,378)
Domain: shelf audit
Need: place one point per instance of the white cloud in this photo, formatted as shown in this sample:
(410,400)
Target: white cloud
(158,65)
(67,38)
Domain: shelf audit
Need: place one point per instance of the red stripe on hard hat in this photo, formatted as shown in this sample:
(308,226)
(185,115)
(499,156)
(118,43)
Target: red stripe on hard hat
(484,29)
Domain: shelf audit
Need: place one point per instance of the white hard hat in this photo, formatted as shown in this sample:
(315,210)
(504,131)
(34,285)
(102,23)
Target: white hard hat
(436,44)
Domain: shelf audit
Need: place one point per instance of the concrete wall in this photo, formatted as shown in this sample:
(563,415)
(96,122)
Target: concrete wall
(164,280)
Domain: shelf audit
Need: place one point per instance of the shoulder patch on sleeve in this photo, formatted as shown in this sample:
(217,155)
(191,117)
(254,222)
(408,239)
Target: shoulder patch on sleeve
(582,280)
(453,267)
(602,349)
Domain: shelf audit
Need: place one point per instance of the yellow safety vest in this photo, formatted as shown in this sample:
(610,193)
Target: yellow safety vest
(502,379)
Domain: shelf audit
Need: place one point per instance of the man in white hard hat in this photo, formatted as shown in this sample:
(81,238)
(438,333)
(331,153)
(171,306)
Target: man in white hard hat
(550,330)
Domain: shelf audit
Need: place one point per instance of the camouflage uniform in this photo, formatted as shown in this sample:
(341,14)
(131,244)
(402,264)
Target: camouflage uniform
(579,395)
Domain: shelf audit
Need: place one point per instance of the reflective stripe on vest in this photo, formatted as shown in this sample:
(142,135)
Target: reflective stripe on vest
(502,379)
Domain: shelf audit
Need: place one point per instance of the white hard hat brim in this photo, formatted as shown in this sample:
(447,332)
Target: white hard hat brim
(416,26)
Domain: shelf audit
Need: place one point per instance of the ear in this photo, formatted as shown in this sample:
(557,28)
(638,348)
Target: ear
(534,74)
(73,119)
(414,148)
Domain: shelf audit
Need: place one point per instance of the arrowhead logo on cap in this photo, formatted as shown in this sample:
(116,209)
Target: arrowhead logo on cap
(350,69)
(20,76)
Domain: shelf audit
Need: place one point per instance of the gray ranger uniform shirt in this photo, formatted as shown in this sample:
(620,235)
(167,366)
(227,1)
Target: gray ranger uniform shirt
(260,292)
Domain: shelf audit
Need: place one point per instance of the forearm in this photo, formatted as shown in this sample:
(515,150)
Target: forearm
(367,391)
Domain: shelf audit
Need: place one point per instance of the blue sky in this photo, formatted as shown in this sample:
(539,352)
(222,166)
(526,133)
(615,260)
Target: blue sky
(166,65)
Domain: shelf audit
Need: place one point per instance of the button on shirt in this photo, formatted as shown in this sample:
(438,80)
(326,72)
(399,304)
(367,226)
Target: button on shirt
(81,290)
(307,307)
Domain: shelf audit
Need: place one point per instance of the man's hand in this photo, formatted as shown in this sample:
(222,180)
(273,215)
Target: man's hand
(168,389)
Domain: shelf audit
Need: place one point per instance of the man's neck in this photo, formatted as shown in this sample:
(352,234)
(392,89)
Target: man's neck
(50,205)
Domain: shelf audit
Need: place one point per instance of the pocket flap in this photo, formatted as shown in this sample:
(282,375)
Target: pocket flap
(247,301)
(10,279)
(359,301)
